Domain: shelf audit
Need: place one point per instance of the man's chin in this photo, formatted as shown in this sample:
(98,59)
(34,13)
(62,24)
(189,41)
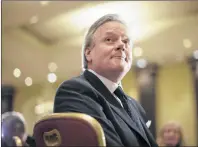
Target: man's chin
(118,68)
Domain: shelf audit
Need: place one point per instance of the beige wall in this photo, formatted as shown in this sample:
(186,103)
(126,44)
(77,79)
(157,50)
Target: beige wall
(130,86)
(28,97)
(176,100)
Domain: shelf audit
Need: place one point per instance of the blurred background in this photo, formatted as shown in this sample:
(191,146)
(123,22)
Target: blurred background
(41,47)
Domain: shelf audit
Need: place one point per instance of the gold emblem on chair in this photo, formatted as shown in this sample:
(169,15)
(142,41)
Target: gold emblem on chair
(52,138)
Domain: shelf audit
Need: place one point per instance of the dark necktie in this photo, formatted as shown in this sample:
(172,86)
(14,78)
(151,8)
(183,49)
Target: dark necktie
(120,94)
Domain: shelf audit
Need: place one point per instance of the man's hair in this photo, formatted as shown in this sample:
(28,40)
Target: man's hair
(88,41)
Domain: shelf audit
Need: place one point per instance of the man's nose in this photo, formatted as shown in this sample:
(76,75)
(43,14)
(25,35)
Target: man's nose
(120,45)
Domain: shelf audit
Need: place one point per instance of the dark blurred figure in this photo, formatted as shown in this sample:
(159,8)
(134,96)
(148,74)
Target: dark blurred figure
(13,129)
(171,134)
(7,97)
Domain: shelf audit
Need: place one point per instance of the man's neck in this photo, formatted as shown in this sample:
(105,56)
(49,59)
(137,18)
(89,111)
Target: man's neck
(110,76)
(108,83)
(101,75)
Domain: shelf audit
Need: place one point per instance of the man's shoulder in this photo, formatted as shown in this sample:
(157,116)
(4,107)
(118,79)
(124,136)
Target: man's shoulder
(78,87)
(78,82)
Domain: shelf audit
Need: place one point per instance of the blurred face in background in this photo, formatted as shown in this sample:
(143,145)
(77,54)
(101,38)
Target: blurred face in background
(171,135)
(111,55)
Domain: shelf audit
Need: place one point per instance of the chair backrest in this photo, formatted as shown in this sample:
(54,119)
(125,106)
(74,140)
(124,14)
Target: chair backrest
(68,129)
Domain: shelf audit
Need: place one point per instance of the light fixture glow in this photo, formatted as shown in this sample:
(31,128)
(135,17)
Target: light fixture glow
(187,43)
(124,9)
(52,67)
(195,54)
(17,72)
(39,109)
(28,81)
(44,3)
(44,107)
(52,77)
(141,63)
(137,51)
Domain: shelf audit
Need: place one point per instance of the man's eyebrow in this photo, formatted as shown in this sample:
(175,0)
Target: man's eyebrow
(110,33)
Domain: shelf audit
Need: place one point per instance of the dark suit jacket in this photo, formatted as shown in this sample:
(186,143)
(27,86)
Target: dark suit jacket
(87,94)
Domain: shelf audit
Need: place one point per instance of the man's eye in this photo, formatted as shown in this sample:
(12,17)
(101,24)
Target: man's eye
(126,41)
(108,39)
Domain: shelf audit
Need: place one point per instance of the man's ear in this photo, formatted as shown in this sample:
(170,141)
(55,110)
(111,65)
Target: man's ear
(88,54)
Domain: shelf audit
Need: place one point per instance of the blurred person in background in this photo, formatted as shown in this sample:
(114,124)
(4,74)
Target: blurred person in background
(107,57)
(14,125)
(171,134)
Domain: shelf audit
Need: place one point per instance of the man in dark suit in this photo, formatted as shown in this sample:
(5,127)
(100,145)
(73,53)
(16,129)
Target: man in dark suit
(107,57)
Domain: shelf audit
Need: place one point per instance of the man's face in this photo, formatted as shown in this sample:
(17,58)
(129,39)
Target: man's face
(111,50)
(171,135)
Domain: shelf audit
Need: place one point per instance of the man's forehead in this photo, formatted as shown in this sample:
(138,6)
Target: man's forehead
(116,32)
(111,28)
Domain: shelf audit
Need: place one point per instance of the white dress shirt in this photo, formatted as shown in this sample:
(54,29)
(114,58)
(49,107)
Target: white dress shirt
(111,86)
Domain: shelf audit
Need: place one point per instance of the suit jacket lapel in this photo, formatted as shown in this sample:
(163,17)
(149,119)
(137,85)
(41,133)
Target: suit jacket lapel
(115,105)
(148,133)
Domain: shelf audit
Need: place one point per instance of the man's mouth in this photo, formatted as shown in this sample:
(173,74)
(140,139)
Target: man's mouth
(120,57)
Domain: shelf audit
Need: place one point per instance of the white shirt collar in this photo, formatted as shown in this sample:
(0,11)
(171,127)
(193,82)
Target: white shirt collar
(109,84)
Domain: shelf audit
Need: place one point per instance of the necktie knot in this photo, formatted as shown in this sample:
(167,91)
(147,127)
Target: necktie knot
(119,92)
